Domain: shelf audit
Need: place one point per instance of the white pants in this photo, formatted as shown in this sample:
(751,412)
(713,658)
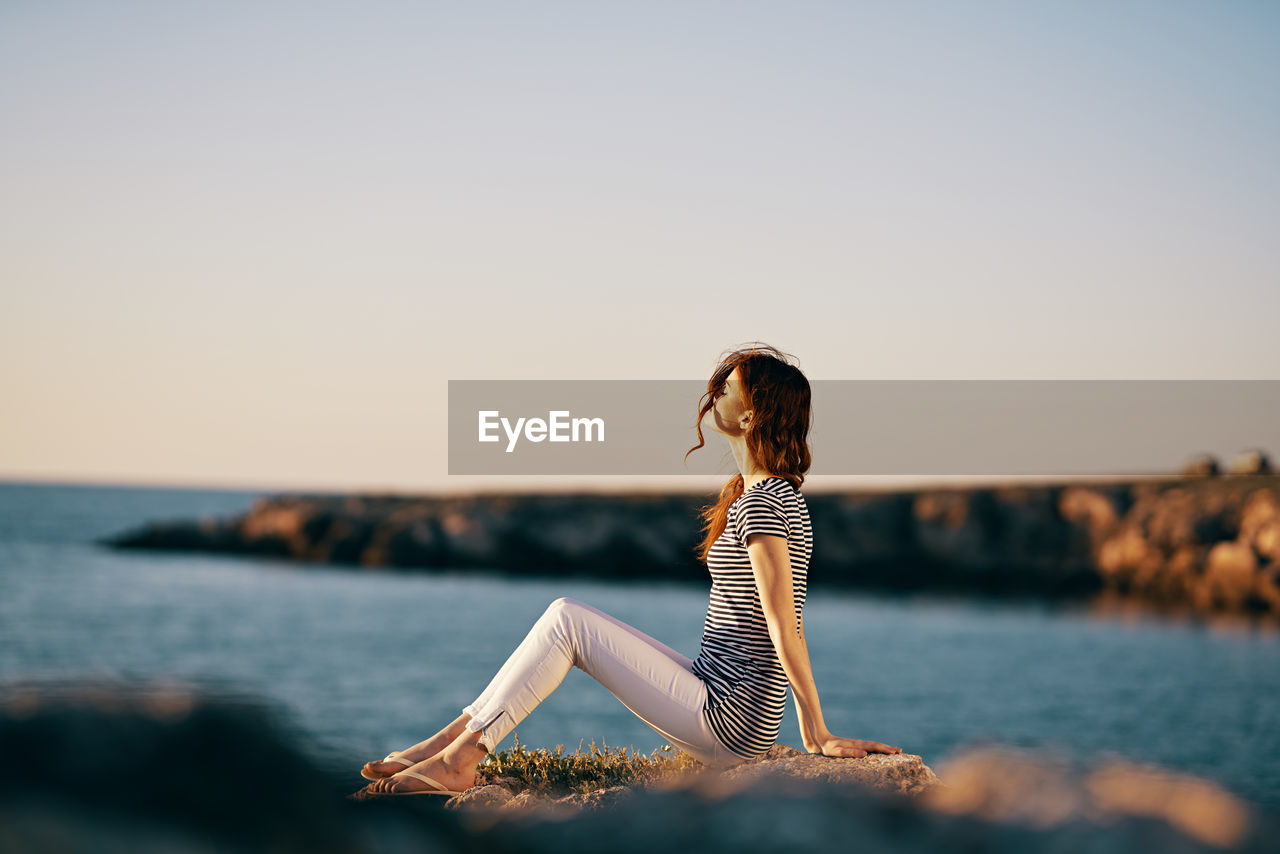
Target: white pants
(651,679)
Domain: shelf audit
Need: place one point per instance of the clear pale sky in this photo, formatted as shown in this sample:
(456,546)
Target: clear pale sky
(249,244)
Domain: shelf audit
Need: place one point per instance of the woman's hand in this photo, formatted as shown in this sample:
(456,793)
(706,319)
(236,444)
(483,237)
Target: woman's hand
(831,745)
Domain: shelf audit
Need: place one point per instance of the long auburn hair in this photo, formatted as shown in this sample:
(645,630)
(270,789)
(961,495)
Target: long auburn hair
(777,437)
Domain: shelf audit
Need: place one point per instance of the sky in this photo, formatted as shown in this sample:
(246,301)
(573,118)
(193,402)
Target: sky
(248,244)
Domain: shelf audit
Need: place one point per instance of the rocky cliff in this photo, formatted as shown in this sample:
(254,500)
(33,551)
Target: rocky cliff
(1210,543)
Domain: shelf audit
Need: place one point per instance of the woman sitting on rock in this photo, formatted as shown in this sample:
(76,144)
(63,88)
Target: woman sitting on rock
(726,706)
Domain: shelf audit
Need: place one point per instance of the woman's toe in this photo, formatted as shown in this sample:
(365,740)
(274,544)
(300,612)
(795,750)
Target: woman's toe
(389,785)
(379,767)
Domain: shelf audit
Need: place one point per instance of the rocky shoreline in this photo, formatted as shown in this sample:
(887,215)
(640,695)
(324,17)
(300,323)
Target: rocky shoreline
(1207,543)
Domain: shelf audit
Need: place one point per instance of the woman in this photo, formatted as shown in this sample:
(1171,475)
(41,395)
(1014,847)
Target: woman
(726,706)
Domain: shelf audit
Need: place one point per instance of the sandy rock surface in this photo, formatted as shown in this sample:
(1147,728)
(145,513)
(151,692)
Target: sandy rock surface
(902,773)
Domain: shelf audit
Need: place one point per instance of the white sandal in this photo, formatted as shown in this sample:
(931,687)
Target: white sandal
(439,788)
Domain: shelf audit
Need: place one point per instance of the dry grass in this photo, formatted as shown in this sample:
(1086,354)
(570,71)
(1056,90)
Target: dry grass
(556,773)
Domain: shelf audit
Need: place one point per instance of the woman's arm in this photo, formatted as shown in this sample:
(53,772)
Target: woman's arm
(771,565)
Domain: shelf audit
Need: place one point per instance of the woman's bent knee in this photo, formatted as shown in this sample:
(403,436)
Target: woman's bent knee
(563,604)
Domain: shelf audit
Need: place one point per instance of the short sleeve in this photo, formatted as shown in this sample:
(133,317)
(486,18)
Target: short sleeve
(760,513)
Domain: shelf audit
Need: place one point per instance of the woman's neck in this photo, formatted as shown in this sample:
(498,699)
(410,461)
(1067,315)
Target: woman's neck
(759,477)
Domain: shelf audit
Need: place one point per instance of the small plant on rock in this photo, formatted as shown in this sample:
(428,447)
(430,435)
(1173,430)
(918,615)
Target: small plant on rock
(556,773)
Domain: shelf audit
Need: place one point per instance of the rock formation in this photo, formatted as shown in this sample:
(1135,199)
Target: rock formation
(902,773)
(1208,543)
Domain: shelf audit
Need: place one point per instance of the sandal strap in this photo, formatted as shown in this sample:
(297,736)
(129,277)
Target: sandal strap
(424,778)
(395,756)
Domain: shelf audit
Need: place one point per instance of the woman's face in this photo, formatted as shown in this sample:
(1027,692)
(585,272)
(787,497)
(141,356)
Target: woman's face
(727,414)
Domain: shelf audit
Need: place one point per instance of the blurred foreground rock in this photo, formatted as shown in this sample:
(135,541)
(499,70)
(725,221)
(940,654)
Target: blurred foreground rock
(106,768)
(1206,543)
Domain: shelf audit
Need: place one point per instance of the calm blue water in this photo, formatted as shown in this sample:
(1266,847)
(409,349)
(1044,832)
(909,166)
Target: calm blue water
(365,662)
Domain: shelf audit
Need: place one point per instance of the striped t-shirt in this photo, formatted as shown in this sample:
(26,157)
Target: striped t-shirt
(746,685)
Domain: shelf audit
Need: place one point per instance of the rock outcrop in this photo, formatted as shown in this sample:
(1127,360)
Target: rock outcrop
(1207,543)
(901,773)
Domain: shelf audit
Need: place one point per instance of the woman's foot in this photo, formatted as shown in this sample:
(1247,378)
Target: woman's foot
(423,750)
(380,768)
(454,768)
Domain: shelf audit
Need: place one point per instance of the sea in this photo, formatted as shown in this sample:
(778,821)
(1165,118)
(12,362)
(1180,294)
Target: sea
(359,662)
